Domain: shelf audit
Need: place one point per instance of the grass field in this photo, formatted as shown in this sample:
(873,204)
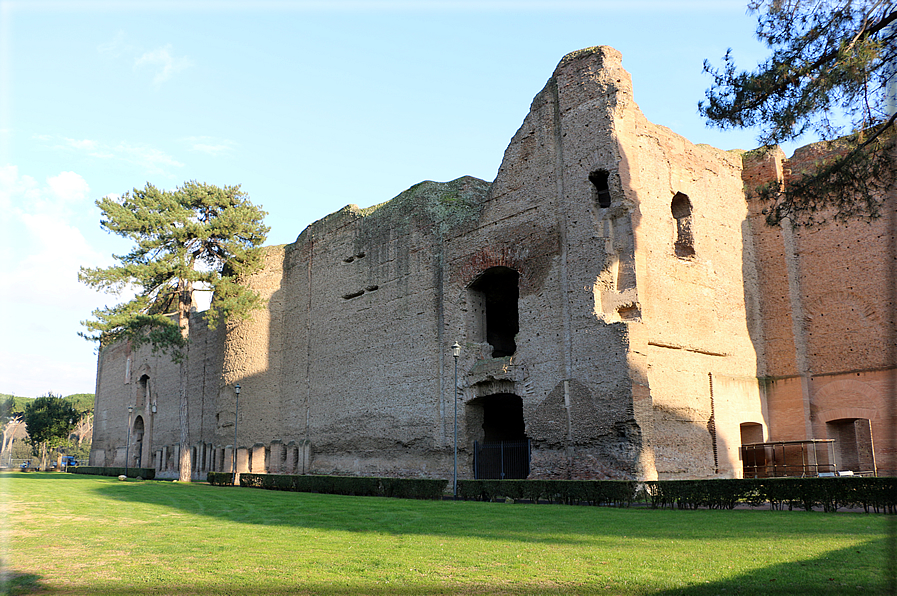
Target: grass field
(69,534)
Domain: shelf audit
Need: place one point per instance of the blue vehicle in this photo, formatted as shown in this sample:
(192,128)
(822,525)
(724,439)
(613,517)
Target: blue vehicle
(68,460)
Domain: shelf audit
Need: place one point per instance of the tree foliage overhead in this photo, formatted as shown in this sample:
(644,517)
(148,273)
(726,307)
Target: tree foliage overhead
(831,64)
(196,235)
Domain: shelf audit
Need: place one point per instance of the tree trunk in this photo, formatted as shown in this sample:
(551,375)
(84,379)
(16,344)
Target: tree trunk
(9,432)
(185,467)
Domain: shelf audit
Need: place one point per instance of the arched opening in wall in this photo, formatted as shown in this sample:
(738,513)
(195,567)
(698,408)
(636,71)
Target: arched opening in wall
(681,209)
(501,447)
(142,391)
(137,447)
(599,180)
(853,444)
(493,305)
(754,460)
(751,432)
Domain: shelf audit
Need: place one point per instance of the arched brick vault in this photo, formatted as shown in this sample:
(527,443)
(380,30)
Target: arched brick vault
(830,399)
(529,254)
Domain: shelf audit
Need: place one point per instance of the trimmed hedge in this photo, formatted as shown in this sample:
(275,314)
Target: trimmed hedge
(869,493)
(363,486)
(145,473)
(877,494)
(618,493)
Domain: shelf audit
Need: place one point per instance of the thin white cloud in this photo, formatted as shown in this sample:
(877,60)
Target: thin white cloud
(153,160)
(166,64)
(210,145)
(162,61)
(117,47)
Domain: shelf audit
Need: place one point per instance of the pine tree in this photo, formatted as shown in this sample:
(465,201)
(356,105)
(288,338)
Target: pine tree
(198,234)
(829,74)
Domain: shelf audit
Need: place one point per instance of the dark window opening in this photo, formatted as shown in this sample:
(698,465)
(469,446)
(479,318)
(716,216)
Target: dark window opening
(142,387)
(494,298)
(681,209)
(598,179)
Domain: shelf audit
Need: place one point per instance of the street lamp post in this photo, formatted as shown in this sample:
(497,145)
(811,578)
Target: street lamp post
(128,446)
(456,351)
(236,412)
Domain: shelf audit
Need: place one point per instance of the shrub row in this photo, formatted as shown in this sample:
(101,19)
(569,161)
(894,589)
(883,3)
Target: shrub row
(618,493)
(405,488)
(145,473)
(831,494)
(877,494)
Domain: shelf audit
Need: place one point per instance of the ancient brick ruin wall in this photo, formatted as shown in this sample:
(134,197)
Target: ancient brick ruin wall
(149,383)
(825,307)
(642,331)
(699,329)
(570,369)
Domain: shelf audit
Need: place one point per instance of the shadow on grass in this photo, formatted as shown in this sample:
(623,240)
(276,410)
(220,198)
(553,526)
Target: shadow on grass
(858,569)
(15,584)
(559,524)
(787,579)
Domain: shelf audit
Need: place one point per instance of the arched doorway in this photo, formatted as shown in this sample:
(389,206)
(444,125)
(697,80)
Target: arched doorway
(501,447)
(138,432)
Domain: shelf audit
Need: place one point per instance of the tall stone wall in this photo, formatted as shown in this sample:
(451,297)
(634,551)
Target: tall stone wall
(149,383)
(826,311)
(619,304)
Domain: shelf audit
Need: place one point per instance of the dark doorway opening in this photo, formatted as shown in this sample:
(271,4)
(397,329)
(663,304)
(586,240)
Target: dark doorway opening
(853,444)
(494,297)
(138,442)
(502,449)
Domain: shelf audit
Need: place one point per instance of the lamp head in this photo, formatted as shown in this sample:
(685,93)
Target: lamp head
(456,349)
(237,389)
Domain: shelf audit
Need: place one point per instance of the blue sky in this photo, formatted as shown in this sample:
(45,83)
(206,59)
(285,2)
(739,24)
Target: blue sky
(308,105)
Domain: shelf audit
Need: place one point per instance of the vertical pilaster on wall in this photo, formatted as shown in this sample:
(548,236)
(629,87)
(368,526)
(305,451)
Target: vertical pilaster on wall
(798,322)
(441,348)
(561,208)
(891,321)
(711,426)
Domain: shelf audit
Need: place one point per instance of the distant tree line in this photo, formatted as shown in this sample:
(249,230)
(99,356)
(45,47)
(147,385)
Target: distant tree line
(44,427)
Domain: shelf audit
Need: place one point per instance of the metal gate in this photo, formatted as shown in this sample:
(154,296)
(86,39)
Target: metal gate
(501,459)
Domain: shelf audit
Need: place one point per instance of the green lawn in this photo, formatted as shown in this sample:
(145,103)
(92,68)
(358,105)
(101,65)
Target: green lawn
(69,534)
